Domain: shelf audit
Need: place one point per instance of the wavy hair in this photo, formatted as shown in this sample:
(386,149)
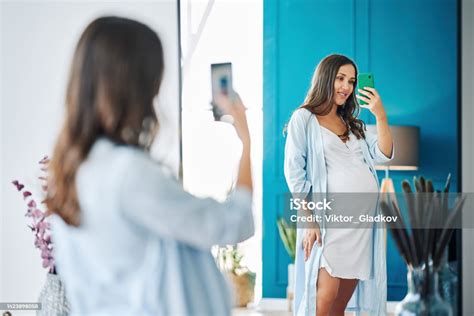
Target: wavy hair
(319,99)
(116,72)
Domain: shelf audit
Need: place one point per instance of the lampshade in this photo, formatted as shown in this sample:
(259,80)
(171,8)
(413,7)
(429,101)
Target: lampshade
(405,141)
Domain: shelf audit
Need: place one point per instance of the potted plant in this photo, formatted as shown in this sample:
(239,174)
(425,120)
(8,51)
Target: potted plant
(288,237)
(52,297)
(229,260)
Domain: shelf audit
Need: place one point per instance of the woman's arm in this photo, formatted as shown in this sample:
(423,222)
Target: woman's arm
(158,205)
(240,123)
(161,206)
(374,104)
(384,136)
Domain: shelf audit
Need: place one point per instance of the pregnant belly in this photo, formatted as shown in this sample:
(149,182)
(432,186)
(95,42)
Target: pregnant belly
(355,178)
(354,192)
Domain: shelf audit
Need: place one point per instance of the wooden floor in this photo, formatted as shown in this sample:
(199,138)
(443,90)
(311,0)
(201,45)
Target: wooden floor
(253,312)
(250,312)
(277,307)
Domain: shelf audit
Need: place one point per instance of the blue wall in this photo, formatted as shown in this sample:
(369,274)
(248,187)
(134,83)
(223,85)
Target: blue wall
(409,45)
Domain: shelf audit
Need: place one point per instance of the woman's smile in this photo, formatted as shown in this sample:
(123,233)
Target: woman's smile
(341,97)
(342,94)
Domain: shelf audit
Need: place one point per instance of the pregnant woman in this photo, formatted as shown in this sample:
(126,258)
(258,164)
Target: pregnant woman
(329,151)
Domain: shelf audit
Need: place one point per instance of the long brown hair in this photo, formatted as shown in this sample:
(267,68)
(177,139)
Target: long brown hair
(319,99)
(115,74)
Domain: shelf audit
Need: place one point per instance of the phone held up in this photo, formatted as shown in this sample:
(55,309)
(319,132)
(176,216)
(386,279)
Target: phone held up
(364,80)
(221,81)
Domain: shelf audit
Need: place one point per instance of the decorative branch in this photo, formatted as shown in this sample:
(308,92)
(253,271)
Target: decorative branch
(40,226)
(432,222)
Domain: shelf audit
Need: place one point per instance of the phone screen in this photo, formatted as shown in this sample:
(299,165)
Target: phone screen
(221,81)
(365,80)
(221,76)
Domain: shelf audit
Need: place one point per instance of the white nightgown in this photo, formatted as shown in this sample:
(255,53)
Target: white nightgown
(348,251)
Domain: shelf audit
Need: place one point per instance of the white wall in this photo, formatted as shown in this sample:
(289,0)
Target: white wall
(1,159)
(37,42)
(468,151)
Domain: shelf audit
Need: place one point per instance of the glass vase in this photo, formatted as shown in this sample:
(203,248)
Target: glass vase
(53,298)
(448,283)
(423,297)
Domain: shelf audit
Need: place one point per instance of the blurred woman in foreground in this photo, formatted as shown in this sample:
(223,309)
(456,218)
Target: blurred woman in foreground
(128,239)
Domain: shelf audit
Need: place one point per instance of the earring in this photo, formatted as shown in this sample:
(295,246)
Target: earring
(146,136)
(128,135)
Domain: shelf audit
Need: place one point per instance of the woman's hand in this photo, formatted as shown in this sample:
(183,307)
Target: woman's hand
(311,236)
(374,102)
(375,106)
(236,108)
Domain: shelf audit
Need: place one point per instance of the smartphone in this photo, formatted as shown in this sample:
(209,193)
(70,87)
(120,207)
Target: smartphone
(221,81)
(364,80)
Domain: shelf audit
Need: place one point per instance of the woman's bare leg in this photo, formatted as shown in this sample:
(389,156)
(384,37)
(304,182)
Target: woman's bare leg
(328,287)
(344,294)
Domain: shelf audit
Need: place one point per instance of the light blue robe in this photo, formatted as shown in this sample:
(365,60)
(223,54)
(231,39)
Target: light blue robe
(305,172)
(143,246)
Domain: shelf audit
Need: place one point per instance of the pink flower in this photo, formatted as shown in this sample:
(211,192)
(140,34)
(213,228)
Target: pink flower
(42,245)
(47,263)
(18,185)
(38,243)
(39,226)
(37,213)
(46,253)
(26,194)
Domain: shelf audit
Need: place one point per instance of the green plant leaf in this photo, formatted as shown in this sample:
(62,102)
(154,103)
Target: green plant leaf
(288,237)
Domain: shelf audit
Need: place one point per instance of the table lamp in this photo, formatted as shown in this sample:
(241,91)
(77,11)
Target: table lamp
(405,141)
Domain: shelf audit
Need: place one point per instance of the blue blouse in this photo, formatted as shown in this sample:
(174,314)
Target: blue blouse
(143,246)
(305,172)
